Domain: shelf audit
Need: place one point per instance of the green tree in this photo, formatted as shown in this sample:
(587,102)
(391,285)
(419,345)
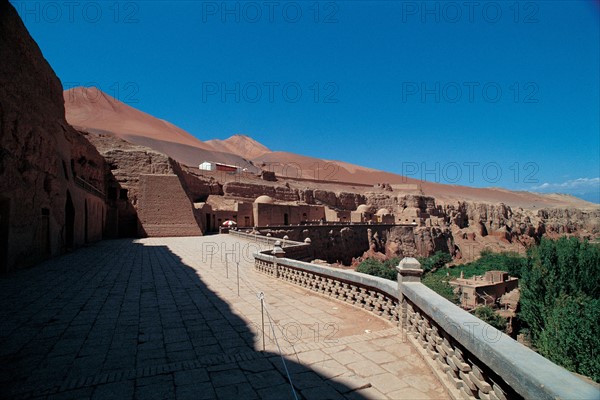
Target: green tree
(439,284)
(487,314)
(572,335)
(560,292)
(435,262)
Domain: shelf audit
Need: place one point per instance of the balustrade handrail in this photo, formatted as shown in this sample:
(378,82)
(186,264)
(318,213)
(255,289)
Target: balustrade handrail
(380,284)
(267,239)
(519,368)
(527,372)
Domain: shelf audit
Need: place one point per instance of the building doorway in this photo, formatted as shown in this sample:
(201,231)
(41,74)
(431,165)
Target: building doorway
(45,233)
(69,222)
(286,219)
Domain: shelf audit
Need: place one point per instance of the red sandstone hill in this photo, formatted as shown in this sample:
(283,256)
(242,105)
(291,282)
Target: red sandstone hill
(241,145)
(91,110)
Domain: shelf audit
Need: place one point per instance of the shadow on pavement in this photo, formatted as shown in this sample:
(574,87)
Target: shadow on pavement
(124,320)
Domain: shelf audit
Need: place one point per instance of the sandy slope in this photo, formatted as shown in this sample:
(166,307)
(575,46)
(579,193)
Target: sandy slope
(241,145)
(92,110)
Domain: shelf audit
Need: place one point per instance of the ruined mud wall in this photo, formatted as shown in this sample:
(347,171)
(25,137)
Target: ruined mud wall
(344,243)
(164,208)
(462,229)
(159,192)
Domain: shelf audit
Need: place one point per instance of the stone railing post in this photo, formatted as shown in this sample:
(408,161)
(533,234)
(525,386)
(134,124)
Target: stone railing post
(278,252)
(409,270)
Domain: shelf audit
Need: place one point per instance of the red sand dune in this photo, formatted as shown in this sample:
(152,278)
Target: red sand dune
(91,110)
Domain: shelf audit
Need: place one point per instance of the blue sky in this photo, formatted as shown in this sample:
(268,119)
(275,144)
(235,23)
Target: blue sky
(486,93)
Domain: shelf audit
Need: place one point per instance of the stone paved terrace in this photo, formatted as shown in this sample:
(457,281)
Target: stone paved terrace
(157,319)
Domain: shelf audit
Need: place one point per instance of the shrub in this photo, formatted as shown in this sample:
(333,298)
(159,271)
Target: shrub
(487,314)
(436,261)
(385,270)
(439,284)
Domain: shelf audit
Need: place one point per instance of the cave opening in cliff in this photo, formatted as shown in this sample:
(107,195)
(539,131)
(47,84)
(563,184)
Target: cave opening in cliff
(45,233)
(69,221)
(4,228)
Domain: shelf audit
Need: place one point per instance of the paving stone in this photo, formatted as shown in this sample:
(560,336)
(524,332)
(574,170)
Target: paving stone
(387,382)
(117,390)
(307,380)
(365,368)
(313,356)
(348,383)
(257,365)
(408,394)
(236,391)
(368,393)
(77,394)
(318,393)
(191,377)
(420,381)
(398,368)
(148,315)
(260,380)
(279,392)
(347,356)
(161,391)
(229,377)
(329,368)
(196,391)
(379,357)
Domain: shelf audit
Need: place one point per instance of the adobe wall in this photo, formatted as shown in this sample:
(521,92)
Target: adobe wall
(335,243)
(342,243)
(498,289)
(164,209)
(274,214)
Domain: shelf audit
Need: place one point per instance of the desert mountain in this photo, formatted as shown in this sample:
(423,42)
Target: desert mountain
(241,145)
(91,110)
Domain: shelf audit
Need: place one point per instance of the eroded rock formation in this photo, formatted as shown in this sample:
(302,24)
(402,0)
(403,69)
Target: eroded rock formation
(51,178)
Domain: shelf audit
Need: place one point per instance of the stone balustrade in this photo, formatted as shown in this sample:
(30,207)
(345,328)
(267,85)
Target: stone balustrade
(294,250)
(473,359)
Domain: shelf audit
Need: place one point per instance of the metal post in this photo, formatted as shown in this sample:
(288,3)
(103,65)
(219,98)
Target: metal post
(261,296)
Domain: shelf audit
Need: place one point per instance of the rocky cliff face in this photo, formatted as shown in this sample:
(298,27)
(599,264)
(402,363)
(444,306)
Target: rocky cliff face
(462,229)
(48,172)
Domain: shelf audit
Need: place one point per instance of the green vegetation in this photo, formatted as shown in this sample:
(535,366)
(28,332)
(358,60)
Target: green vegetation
(437,276)
(560,296)
(487,314)
(436,261)
(386,269)
(560,303)
(437,280)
